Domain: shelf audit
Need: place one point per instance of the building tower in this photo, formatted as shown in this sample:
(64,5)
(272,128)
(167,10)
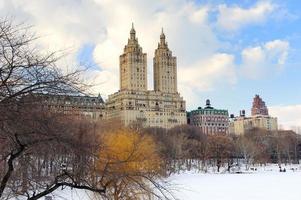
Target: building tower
(259,107)
(133,62)
(165,68)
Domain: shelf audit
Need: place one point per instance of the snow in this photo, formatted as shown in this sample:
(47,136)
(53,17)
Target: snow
(266,183)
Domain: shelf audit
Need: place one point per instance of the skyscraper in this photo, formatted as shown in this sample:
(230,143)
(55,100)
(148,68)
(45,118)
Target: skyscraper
(133,70)
(134,103)
(165,68)
(259,107)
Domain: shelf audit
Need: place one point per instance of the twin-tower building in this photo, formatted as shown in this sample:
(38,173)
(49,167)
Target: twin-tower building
(134,103)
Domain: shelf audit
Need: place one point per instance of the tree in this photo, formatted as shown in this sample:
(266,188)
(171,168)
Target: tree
(248,150)
(56,150)
(286,146)
(24,127)
(222,149)
(171,146)
(25,71)
(263,142)
(130,165)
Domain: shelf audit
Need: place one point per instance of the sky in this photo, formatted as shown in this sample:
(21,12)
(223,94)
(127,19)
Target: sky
(227,50)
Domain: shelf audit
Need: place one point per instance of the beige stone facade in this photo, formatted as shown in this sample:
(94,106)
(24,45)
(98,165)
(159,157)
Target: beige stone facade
(165,68)
(148,108)
(133,71)
(240,125)
(162,107)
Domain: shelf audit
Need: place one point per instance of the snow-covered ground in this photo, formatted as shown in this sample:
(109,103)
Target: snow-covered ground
(263,185)
(266,183)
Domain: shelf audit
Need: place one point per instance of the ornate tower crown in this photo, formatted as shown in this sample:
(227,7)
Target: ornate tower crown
(162,36)
(132,44)
(163,43)
(133,33)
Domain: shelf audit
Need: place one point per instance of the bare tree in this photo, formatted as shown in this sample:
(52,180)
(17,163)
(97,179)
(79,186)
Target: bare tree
(58,151)
(285,144)
(263,142)
(222,149)
(248,150)
(24,72)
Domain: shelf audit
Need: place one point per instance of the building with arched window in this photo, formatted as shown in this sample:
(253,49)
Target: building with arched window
(134,103)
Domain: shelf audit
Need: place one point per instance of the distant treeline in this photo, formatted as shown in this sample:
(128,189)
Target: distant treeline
(184,146)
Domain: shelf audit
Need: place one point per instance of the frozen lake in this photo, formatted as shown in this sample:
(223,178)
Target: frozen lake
(259,186)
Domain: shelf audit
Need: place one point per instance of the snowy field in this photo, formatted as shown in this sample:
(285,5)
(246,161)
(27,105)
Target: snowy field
(267,183)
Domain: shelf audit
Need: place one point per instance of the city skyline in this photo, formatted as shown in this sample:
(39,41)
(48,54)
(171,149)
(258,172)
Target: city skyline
(227,51)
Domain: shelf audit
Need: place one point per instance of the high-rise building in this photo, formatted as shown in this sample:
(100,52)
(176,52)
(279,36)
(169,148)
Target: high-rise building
(210,120)
(134,103)
(133,70)
(259,107)
(165,68)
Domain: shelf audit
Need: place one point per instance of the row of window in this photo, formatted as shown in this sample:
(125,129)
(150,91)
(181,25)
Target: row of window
(214,119)
(210,124)
(61,107)
(137,85)
(168,77)
(137,56)
(141,78)
(209,112)
(166,54)
(213,130)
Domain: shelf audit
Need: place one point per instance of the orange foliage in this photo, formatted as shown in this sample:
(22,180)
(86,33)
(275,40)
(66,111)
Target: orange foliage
(126,152)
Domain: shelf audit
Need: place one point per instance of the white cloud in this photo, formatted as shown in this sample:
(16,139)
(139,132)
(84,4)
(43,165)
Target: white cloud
(278,50)
(232,18)
(61,25)
(264,59)
(70,24)
(289,116)
(103,79)
(204,74)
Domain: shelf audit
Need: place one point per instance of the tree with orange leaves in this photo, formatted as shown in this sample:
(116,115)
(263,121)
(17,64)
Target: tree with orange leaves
(130,165)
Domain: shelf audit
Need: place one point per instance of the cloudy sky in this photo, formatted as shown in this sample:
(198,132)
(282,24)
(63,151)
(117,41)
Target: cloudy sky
(227,50)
